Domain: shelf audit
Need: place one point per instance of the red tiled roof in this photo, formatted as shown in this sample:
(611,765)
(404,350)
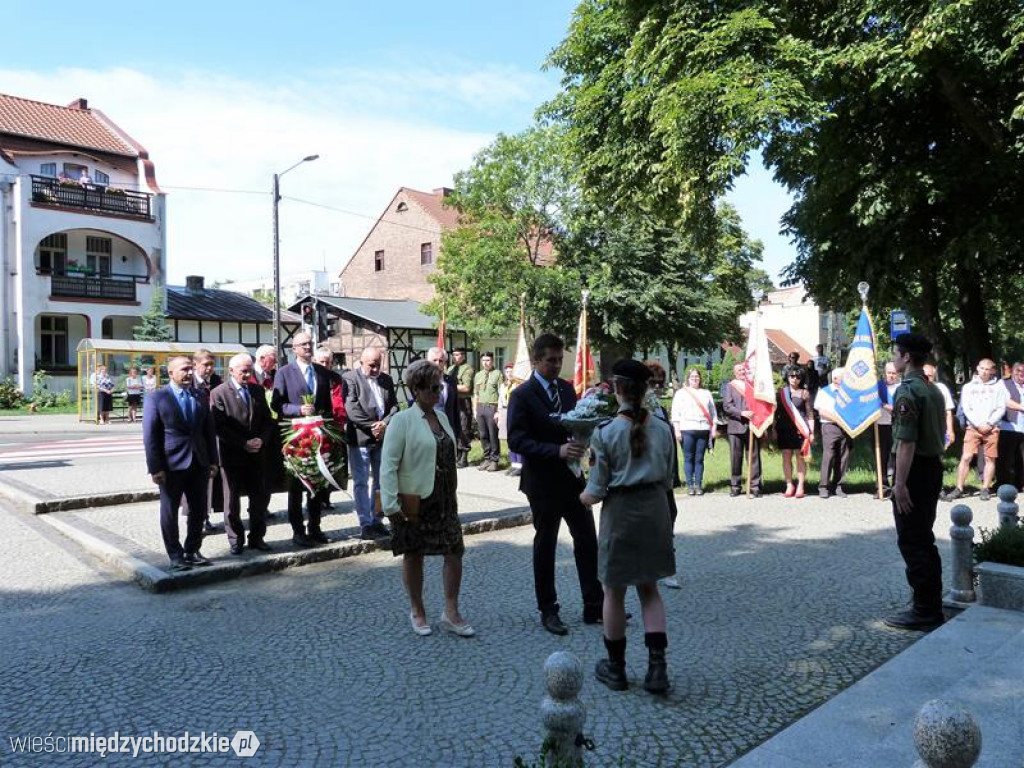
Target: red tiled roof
(433,204)
(70,125)
(786,344)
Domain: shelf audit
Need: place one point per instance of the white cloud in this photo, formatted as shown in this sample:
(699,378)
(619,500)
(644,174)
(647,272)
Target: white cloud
(374,131)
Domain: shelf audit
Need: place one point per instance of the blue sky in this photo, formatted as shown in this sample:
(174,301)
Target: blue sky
(225,93)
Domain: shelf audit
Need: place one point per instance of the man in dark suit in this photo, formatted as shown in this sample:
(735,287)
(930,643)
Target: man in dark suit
(181,455)
(738,413)
(449,401)
(369,405)
(292,383)
(244,427)
(203,382)
(551,487)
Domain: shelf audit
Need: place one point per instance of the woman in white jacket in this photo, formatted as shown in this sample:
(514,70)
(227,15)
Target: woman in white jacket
(418,493)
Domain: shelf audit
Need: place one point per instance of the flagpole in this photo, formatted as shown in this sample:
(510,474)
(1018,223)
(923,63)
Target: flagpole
(862,289)
(758,295)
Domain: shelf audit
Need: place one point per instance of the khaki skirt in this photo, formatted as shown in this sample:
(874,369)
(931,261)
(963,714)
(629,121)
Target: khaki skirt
(635,540)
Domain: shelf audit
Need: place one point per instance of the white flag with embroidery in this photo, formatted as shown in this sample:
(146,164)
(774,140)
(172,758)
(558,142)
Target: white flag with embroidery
(760,394)
(522,367)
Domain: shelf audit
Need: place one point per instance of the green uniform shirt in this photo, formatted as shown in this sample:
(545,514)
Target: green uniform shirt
(463,375)
(486,385)
(918,415)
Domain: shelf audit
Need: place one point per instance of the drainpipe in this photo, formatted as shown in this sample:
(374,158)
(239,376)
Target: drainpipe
(6,210)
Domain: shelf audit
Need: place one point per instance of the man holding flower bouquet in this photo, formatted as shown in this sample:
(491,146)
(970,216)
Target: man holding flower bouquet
(303,388)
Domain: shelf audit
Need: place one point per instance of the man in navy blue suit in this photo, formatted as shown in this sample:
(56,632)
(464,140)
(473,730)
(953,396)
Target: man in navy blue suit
(551,487)
(181,456)
(293,382)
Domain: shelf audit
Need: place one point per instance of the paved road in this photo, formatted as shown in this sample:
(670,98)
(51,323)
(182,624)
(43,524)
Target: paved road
(779,612)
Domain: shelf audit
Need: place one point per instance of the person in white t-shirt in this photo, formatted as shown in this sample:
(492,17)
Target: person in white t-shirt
(693,416)
(947,398)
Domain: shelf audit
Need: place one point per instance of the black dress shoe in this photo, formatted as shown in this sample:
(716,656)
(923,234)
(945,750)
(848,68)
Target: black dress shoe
(262,546)
(196,559)
(915,620)
(553,624)
(381,529)
(302,540)
(368,533)
(319,537)
(178,564)
(734,491)
(237,549)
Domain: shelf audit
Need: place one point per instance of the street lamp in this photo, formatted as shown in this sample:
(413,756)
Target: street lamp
(277,250)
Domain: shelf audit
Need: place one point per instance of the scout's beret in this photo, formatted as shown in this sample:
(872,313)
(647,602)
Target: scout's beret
(914,343)
(631,369)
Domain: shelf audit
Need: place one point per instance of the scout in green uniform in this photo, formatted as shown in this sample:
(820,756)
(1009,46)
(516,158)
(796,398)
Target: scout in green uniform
(462,372)
(917,432)
(486,385)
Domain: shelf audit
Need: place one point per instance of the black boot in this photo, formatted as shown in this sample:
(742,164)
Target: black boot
(656,680)
(463,461)
(612,671)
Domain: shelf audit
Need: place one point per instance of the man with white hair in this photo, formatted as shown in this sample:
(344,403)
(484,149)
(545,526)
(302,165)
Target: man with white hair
(369,404)
(266,366)
(244,427)
(836,445)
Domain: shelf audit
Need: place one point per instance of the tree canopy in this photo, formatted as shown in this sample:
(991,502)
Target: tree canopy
(526,232)
(898,127)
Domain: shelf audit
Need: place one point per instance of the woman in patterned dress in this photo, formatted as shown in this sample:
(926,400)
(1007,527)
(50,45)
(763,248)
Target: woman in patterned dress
(418,494)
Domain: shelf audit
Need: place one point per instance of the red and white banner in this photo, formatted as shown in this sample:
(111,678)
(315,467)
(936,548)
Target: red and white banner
(760,386)
(583,370)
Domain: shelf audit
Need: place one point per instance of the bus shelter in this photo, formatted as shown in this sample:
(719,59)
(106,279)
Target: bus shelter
(118,355)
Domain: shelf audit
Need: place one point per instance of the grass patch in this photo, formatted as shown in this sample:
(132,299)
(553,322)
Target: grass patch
(24,410)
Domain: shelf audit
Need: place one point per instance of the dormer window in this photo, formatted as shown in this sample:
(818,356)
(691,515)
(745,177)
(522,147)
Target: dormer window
(402,207)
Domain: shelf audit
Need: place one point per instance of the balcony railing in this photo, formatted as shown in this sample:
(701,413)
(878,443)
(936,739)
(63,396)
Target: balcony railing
(83,287)
(47,190)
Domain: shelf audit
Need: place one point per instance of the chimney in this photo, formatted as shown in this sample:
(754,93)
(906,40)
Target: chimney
(444,191)
(194,284)
(79,103)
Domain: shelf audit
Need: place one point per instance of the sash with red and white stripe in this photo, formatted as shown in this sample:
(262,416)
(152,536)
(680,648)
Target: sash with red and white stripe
(798,419)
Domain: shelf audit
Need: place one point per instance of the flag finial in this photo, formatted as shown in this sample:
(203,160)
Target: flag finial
(862,289)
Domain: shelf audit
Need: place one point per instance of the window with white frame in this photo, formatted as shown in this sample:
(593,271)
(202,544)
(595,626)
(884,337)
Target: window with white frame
(53,340)
(426,253)
(53,254)
(97,254)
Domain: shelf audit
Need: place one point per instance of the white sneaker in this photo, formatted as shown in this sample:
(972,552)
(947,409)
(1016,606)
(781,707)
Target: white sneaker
(671,582)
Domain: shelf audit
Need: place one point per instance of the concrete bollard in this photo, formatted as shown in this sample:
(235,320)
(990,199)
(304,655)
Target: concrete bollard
(946,736)
(561,711)
(1007,506)
(962,544)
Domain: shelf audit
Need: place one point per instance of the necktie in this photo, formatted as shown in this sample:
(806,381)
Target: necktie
(309,378)
(187,405)
(245,397)
(555,397)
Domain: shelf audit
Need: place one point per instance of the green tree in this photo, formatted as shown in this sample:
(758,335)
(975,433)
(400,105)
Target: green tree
(153,326)
(898,127)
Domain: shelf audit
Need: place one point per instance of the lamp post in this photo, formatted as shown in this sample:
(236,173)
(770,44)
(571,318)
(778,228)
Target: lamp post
(277,250)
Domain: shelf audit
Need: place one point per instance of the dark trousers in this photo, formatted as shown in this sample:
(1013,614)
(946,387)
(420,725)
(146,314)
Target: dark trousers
(695,445)
(488,431)
(738,445)
(192,484)
(247,478)
(835,456)
(296,491)
(885,448)
(1010,464)
(914,534)
(465,424)
(548,512)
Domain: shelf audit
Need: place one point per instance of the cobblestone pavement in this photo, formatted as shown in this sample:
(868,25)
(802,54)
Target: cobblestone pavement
(779,611)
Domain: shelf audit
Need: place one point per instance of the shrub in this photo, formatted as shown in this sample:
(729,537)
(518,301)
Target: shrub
(10,395)
(1005,545)
(42,397)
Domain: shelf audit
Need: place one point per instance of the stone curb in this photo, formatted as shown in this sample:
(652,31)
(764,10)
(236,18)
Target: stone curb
(153,579)
(41,505)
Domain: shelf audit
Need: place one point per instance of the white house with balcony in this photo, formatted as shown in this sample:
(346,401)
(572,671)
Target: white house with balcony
(83,233)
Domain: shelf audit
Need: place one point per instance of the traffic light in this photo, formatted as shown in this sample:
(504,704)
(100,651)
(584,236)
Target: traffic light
(323,324)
